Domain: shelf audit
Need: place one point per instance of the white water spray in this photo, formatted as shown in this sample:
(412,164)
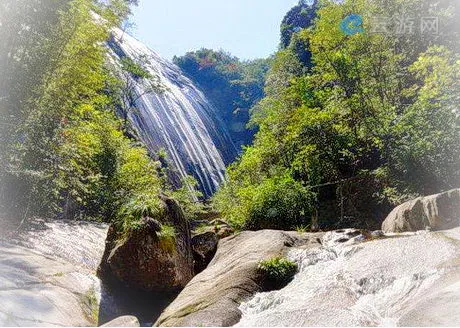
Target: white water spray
(347,282)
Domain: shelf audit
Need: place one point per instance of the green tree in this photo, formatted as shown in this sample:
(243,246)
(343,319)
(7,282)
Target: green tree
(299,17)
(70,157)
(369,123)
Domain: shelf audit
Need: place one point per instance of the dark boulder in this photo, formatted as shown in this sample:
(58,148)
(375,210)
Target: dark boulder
(204,247)
(145,259)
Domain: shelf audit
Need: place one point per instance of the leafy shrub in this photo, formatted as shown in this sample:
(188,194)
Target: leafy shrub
(279,202)
(141,205)
(303,228)
(278,270)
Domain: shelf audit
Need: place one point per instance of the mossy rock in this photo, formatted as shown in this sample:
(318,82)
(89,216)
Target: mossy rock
(154,258)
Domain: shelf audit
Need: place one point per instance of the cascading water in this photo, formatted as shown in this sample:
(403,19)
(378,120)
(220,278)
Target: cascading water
(347,282)
(180,119)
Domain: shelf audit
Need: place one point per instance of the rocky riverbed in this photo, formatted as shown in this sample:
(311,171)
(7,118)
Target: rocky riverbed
(347,277)
(408,280)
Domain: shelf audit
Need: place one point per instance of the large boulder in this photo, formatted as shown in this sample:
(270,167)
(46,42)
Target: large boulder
(212,298)
(437,212)
(146,261)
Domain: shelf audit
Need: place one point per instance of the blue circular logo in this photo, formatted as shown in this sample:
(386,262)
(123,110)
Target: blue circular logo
(352,24)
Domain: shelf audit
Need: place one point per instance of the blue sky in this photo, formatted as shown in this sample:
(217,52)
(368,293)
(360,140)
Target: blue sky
(247,28)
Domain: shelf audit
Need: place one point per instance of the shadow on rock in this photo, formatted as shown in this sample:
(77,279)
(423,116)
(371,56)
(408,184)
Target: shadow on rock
(122,301)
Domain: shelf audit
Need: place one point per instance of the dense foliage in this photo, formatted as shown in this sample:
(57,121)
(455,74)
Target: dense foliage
(298,18)
(372,121)
(233,86)
(347,125)
(65,152)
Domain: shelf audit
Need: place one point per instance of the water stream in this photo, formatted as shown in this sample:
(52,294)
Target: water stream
(48,277)
(352,282)
(77,242)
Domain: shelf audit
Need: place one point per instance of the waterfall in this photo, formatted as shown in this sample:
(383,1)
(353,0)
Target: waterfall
(179,119)
(352,282)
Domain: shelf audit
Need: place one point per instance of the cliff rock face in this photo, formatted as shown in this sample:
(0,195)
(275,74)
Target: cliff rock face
(147,261)
(438,212)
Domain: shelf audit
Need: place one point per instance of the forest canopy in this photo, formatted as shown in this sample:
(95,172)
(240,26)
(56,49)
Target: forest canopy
(367,122)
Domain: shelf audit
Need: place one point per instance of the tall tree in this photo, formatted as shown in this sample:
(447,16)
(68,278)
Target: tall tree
(68,156)
(360,126)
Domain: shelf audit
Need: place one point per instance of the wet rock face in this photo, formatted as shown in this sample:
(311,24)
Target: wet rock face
(180,119)
(46,274)
(145,261)
(437,212)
